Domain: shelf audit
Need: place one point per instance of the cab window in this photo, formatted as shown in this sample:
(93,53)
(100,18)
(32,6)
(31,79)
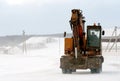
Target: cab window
(93,38)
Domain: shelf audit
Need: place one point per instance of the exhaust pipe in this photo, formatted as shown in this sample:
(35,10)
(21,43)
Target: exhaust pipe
(76,53)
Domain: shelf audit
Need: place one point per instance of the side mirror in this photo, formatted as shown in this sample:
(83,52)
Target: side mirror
(64,34)
(103,32)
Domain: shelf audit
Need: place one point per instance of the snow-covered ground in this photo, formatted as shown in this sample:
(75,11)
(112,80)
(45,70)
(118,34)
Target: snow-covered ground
(43,65)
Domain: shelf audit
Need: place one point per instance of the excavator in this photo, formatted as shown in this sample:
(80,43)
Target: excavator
(83,49)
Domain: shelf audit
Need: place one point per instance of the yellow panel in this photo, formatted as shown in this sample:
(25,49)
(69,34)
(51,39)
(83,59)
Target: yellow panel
(68,44)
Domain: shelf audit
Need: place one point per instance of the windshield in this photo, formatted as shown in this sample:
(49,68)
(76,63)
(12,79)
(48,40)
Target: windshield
(93,38)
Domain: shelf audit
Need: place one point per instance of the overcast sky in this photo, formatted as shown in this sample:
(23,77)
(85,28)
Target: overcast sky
(52,16)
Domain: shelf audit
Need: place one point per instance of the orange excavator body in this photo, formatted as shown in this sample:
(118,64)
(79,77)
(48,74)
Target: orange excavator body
(82,51)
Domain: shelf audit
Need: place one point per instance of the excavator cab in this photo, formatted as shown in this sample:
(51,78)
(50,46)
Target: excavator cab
(94,37)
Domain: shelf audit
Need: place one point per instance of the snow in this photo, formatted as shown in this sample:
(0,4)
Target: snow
(43,65)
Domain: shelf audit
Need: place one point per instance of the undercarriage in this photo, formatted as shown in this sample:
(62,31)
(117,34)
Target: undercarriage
(70,64)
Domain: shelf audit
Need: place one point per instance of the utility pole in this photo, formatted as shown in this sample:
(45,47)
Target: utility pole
(115,41)
(24,43)
(110,40)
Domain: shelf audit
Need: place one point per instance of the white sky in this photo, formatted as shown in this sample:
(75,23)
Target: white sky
(24,2)
(52,16)
(18,2)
